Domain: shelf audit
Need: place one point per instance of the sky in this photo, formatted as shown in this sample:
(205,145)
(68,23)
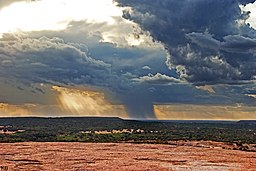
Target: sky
(161,59)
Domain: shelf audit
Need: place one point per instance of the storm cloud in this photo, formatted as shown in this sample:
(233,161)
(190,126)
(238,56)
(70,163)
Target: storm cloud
(48,60)
(160,52)
(209,40)
(34,60)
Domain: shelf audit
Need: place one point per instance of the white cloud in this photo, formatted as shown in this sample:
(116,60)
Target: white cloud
(251,95)
(252,8)
(103,17)
(206,88)
(158,79)
(56,14)
(5,3)
(146,67)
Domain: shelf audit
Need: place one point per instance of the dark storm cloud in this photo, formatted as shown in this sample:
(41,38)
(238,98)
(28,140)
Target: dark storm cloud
(208,41)
(239,44)
(29,60)
(205,39)
(49,60)
(231,43)
(53,61)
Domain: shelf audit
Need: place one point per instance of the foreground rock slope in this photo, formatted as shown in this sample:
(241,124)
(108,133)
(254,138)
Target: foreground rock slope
(34,156)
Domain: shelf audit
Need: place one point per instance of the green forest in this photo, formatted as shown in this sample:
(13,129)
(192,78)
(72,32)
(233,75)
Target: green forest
(106,129)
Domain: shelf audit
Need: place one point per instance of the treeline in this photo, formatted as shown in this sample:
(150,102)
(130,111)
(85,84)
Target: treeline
(74,129)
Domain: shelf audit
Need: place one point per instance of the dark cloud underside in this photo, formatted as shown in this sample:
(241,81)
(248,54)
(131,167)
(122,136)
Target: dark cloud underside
(208,41)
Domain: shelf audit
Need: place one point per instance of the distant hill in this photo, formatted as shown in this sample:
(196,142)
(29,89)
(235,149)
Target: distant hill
(247,122)
(63,123)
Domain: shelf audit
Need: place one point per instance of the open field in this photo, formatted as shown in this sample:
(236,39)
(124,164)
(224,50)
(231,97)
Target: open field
(77,156)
